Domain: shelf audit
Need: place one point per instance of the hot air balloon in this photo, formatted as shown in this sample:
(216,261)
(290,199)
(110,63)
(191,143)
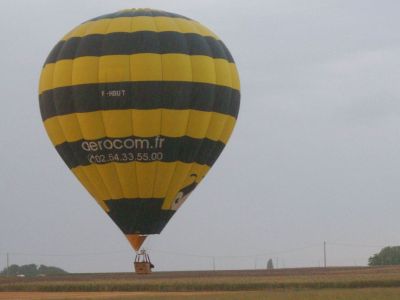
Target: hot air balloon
(139,104)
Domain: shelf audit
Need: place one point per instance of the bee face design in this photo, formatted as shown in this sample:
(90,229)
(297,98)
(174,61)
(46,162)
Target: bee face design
(179,199)
(183,194)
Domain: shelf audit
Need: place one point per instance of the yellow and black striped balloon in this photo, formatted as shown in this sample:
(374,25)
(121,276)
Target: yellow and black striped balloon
(139,104)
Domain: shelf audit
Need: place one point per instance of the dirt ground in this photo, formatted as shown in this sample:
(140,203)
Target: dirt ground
(93,295)
(305,294)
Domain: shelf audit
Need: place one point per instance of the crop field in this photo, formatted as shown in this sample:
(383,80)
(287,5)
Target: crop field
(345,283)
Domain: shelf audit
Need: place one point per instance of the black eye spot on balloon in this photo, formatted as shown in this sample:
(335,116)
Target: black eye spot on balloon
(184,193)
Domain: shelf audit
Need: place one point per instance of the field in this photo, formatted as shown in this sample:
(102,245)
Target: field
(347,283)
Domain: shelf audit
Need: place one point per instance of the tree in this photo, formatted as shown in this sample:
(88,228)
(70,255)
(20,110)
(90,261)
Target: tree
(32,270)
(387,256)
(49,270)
(270,264)
(12,270)
(28,270)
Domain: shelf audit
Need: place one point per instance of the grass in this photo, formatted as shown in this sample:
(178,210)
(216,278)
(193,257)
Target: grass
(184,286)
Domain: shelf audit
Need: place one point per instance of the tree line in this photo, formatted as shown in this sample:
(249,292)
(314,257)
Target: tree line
(32,270)
(387,256)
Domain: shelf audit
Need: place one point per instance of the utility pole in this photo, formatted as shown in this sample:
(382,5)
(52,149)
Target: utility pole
(8,264)
(213,260)
(324,254)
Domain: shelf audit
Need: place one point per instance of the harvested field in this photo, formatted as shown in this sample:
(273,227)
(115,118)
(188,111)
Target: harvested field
(303,283)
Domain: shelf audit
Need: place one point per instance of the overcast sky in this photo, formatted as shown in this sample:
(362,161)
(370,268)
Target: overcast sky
(314,156)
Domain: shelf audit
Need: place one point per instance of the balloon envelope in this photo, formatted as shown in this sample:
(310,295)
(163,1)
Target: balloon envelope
(139,104)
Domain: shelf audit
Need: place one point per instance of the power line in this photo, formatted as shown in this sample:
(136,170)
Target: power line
(289,250)
(179,253)
(356,245)
(254,255)
(64,254)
